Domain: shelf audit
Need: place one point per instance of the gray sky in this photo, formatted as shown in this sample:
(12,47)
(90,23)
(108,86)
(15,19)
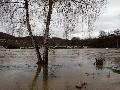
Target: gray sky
(109,19)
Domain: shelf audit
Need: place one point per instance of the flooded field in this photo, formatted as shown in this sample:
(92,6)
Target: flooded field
(67,69)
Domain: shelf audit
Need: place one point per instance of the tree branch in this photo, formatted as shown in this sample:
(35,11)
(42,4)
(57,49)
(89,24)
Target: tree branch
(3,3)
(81,1)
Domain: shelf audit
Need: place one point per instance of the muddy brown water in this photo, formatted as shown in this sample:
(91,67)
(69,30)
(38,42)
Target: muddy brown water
(67,67)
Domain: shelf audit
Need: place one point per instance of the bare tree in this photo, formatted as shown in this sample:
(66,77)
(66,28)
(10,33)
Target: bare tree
(117,33)
(46,35)
(70,10)
(10,8)
(102,34)
(89,9)
(30,33)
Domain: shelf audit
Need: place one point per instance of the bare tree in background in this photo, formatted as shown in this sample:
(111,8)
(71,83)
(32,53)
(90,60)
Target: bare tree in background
(117,33)
(8,6)
(70,10)
(30,33)
(102,34)
(46,35)
(89,9)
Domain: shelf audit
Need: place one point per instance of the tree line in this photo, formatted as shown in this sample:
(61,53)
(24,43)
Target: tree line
(18,15)
(104,40)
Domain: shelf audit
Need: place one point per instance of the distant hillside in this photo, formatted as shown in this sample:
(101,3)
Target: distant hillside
(4,35)
(26,41)
(110,41)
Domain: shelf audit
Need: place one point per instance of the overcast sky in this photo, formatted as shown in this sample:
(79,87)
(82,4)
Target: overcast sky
(109,20)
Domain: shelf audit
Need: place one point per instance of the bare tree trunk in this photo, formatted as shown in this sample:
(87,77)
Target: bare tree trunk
(31,35)
(46,35)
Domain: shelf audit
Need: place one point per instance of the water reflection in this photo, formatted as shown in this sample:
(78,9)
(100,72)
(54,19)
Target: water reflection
(45,77)
(34,82)
(109,75)
(63,71)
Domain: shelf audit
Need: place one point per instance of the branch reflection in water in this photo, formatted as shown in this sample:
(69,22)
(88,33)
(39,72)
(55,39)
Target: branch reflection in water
(45,77)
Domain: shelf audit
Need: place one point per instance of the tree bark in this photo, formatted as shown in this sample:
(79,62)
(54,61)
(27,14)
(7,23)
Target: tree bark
(46,35)
(31,35)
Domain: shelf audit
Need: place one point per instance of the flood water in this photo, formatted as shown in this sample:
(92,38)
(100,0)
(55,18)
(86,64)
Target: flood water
(67,67)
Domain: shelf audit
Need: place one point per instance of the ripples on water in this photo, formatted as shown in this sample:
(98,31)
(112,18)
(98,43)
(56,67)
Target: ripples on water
(18,70)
